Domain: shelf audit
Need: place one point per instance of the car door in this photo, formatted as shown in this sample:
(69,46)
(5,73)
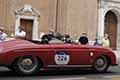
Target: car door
(80,55)
(68,55)
(58,56)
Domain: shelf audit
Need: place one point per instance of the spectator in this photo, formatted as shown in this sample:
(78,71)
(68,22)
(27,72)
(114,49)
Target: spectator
(83,39)
(3,35)
(96,43)
(105,41)
(20,34)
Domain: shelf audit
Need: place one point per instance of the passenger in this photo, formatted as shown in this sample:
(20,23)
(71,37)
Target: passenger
(41,35)
(83,39)
(67,39)
(51,34)
(59,36)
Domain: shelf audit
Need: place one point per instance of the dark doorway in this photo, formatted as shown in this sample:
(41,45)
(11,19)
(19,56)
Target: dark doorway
(111,28)
(28,27)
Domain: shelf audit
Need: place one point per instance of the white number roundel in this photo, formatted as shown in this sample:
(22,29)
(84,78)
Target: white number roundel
(62,58)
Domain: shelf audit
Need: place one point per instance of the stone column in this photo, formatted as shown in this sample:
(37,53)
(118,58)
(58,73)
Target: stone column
(101,19)
(118,34)
(35,35)
(17,23)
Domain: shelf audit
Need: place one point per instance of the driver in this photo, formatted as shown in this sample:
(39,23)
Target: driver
(48,37)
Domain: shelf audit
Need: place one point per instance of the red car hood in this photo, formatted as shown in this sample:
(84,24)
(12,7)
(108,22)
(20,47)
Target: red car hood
(15,44)
(100,48)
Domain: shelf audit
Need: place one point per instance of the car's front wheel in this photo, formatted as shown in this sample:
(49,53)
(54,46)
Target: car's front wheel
(101,64)
(27,65)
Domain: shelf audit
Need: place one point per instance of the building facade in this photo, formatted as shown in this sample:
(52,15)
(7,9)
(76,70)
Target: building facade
(65,16)
(109,21)
(35,16)
(73,17)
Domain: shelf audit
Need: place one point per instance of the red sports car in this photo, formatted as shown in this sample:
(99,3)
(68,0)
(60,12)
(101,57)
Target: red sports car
(26,57)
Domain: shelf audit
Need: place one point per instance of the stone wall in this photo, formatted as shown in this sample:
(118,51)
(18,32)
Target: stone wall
(78,16)
(45,7)
(73,16)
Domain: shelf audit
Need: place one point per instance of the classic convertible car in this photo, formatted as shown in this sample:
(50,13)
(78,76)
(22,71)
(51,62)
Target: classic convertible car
(26,57)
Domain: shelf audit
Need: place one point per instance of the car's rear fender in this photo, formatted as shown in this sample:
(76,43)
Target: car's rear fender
(10,57)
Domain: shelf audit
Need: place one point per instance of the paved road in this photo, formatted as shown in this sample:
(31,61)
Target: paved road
(112,74)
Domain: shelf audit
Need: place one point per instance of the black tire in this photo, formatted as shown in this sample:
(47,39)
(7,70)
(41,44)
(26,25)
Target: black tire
(26,65)
(101,64)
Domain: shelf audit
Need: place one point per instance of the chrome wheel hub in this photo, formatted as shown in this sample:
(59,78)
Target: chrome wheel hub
(26,62)
(100,62)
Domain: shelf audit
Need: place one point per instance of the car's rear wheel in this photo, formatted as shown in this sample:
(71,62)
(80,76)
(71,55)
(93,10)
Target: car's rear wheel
(27,65)
(101,64)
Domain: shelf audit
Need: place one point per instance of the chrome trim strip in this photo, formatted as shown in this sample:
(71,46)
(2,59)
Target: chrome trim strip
(69,65)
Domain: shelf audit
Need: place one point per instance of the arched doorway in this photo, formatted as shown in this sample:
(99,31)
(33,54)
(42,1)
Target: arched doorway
(111,28)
